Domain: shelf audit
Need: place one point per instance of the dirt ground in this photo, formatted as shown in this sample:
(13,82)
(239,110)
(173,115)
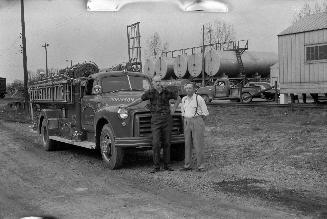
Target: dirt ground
(261,163)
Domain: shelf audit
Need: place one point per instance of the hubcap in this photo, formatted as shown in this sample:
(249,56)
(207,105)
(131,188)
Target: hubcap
(106,146)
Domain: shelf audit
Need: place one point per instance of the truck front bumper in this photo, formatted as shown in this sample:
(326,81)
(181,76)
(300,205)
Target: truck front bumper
(144,142)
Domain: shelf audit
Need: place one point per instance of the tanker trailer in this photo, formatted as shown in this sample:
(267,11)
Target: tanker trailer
(226,62)
(164,67)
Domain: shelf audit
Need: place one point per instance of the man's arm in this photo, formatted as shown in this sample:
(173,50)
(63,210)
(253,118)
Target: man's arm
(203,107)
(177,102)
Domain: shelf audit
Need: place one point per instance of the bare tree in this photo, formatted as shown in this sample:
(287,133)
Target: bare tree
(155,47)
(311,7)
(218,32)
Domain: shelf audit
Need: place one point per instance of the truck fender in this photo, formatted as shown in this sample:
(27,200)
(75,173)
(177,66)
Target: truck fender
(99,122)
(50,117)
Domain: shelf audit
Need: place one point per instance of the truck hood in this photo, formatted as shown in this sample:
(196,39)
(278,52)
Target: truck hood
(112,101)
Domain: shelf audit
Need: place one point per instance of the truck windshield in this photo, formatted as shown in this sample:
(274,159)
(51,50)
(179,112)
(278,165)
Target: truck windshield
(124,83)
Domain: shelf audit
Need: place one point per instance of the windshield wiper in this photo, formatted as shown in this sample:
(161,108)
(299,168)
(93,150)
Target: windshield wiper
(134,89)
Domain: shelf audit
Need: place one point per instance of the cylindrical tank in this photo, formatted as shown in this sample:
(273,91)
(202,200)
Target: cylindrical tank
(253,62)
(148,67)
(180,66)
(212,62)
(164,67)
(194,64)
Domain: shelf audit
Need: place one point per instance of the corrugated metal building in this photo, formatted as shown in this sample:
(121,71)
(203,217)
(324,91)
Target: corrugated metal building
(302,51)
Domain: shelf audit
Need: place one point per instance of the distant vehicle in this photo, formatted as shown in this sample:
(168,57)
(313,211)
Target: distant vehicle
(226,89)
(2,87)
(85,112)
(268,91)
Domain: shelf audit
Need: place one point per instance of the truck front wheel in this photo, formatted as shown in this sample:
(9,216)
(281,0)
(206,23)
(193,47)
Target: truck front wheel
(112,155)
(246,97)
(48,144)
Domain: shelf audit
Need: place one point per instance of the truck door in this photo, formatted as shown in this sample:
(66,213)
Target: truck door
(88,106)
(221,89)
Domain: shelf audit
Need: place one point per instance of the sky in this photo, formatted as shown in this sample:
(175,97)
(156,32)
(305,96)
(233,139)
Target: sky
(73,33)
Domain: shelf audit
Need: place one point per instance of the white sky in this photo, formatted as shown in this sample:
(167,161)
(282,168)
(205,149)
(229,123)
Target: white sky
(73,33)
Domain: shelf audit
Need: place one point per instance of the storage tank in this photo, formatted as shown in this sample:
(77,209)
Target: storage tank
(164,67)
(212,62)
(194,64)
(253,62)
(148,67)
(180,66)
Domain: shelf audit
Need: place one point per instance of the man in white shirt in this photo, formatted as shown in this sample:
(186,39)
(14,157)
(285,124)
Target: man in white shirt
(194,110)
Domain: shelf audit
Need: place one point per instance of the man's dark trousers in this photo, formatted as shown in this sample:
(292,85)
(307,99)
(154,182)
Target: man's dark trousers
(161,125)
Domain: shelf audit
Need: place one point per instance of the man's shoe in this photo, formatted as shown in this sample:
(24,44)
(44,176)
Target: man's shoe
(154,170)
(200,170)
(167,168)
(185,169)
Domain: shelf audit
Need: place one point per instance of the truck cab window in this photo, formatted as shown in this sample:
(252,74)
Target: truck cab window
(89,87)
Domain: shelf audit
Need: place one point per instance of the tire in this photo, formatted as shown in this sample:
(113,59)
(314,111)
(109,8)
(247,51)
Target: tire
(48,144)
(246,97)
(177,152)
(206,98)
(111,155)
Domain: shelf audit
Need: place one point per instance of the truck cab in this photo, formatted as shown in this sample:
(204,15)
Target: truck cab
(85,112)
(227,89)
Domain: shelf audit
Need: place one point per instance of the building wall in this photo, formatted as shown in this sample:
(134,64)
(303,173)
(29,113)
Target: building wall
(296,75)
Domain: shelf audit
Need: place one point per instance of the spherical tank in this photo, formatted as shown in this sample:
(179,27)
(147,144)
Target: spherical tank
(194,64)
(180,66)
(148,67)
(164,67)
(212,62)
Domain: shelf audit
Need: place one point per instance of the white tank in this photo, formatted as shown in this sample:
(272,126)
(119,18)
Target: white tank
(180,66)
(194,64)
(164,67)
(212,62)
(148,67)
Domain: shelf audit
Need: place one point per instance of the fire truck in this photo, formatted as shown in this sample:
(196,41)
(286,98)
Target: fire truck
(84,111)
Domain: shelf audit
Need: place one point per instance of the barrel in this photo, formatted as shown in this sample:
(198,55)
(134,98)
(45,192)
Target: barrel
(212,62)
(164,67)
(180,66)
(194,64)
(148,67)
(253,62)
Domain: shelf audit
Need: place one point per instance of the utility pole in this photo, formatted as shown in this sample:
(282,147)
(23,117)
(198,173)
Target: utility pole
(71,62)
(26,96)
(46,58)
(203,48)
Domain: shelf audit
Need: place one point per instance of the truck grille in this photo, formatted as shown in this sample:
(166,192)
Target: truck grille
(142,125)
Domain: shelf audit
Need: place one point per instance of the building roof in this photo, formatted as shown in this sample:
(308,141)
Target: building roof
(307,23)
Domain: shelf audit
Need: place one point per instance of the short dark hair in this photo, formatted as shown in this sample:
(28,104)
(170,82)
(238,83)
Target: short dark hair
(191,83)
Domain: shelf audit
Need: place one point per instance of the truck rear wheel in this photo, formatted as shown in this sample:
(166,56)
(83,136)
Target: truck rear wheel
(177,152)
(48,144)
(246,97)
(111,155)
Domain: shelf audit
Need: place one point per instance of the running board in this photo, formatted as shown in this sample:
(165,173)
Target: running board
(84,144)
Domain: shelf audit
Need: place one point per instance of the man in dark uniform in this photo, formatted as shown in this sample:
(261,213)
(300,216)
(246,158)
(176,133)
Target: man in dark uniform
(161,121)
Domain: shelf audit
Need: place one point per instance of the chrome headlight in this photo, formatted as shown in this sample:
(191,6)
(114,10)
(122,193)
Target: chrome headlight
(122,113)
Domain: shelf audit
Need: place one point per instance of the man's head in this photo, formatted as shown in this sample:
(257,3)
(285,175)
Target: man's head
(156,82)
(189,88)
